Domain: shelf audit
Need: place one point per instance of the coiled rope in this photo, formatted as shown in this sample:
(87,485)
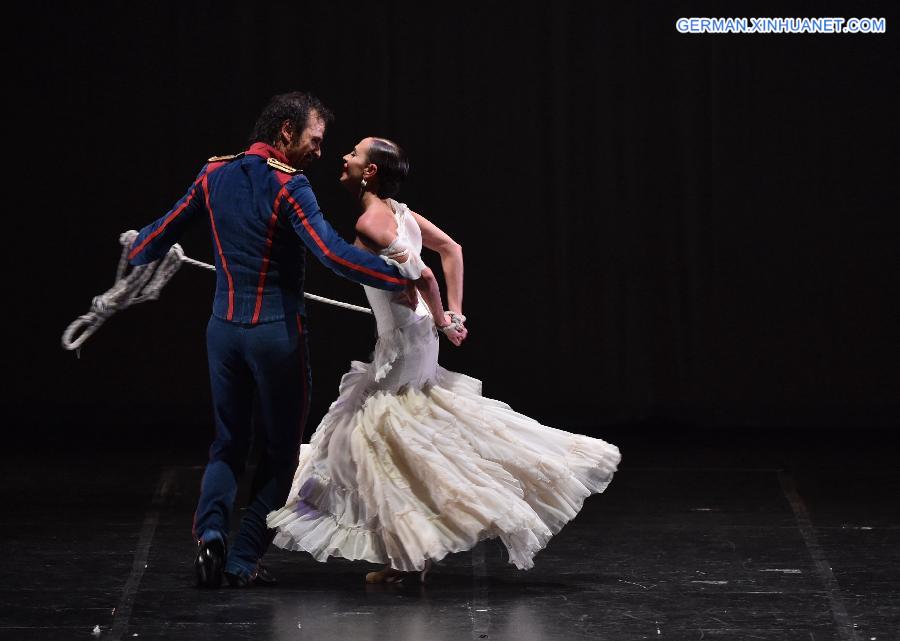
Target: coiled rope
(143,283)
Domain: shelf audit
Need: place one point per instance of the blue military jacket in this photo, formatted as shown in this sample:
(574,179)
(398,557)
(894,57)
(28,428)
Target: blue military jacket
(263,216)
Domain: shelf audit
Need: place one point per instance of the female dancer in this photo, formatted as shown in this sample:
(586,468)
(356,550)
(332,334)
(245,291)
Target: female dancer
(411,462)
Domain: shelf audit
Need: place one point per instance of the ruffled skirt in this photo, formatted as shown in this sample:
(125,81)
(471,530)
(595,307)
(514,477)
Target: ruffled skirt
(399,477)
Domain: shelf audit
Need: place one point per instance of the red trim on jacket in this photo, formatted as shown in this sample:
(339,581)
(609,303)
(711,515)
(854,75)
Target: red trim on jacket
(266,151)
(156,232)
(325,249)
(212,222)
(270,236)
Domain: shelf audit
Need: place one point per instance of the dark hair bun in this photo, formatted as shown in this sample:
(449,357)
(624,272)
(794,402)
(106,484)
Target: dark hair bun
(393,167)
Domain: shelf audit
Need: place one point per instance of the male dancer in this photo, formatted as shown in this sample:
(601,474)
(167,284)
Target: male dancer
(263,216)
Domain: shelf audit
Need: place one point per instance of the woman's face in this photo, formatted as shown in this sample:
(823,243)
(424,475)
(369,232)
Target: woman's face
(355,164)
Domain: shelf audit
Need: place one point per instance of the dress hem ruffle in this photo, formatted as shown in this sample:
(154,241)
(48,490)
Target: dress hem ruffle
(445,468)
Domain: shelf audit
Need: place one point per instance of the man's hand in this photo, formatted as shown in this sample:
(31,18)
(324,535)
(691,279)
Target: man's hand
(409,296)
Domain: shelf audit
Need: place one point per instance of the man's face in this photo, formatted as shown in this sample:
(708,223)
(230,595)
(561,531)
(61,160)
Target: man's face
(306,147)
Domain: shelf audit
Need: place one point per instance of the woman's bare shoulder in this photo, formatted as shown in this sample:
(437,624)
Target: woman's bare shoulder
(377,224)
(378,212)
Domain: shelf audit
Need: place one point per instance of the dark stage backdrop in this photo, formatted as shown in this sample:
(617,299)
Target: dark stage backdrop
(685,229)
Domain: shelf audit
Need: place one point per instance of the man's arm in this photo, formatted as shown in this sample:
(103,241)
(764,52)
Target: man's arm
(155,239)
(298,202)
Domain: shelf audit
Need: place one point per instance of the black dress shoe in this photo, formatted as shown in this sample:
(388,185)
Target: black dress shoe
(209,562)
(238,581)
(264,577)
(261,576)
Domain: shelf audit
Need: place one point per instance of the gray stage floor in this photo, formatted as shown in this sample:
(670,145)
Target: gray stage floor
(717,541)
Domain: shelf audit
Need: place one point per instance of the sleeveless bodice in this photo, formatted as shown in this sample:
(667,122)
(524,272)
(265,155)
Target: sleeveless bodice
(407,347)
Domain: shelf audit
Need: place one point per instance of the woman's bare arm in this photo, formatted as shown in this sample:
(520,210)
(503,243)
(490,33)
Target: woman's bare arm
(451,260)
(431,294)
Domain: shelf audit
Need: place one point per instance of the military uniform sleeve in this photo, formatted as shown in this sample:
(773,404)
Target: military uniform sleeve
(300,205)
(154,240)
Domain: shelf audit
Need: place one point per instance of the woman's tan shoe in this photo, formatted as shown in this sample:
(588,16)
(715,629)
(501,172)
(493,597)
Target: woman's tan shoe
(386,575)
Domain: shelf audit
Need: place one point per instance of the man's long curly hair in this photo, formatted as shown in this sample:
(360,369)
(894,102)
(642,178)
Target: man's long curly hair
(295,107)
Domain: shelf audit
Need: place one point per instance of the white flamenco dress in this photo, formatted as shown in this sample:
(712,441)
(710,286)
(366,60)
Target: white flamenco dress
(412,463)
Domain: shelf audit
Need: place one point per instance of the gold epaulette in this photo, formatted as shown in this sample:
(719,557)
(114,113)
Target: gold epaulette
(280,166)
(225,158)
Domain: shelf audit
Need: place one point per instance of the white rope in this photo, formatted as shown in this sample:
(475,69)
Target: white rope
(143,283)
(319,299)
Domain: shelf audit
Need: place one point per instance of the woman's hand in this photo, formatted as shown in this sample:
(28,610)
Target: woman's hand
(453,329)
(454,335)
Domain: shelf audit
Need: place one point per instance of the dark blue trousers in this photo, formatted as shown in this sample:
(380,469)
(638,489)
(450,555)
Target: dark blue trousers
(266,366)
